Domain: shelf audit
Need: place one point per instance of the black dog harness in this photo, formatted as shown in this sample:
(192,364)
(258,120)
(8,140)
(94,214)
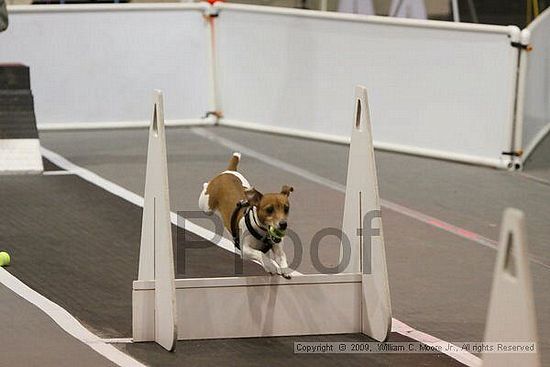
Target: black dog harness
(267,240)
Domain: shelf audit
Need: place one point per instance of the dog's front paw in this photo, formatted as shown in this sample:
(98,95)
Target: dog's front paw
(272,268)
(286,273)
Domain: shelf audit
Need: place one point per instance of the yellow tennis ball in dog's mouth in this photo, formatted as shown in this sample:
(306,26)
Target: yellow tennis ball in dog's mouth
(4,259)
(277,233)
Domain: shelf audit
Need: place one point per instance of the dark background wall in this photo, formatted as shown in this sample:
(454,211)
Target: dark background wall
(503,12)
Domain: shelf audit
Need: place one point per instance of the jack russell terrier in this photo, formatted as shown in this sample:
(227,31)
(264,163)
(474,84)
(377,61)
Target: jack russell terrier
(259,220)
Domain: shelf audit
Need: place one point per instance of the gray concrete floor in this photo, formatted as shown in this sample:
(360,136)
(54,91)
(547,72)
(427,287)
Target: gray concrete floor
(29,338)
(439,282)
(537,166)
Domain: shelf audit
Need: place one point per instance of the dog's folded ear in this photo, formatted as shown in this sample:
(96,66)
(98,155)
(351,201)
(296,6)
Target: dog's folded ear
(253,196)
(286,190)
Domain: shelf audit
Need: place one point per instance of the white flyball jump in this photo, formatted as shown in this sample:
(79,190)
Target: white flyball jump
(357,301)
(361,210)
(511,316)
(156,260)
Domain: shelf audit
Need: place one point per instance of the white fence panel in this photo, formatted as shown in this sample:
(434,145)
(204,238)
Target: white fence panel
(99,63)
(437,88)
(536,112)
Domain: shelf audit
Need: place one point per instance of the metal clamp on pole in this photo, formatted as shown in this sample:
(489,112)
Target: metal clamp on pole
(521,46)
(212,11)
(518,153)
(217,114)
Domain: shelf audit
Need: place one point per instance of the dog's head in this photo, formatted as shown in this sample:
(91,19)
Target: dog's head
(272,208)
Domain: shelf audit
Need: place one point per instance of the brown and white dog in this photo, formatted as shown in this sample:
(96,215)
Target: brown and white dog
(256,221)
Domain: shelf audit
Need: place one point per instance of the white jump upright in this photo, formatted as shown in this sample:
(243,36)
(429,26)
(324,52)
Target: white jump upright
(231,307)
(511,316)
(157,320)
(362,208)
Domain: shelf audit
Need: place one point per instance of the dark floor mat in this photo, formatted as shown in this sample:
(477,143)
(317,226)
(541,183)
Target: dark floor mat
(49,166)
(78,245)
(75,244)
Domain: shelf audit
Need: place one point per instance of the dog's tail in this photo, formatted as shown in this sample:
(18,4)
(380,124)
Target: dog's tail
(234,162)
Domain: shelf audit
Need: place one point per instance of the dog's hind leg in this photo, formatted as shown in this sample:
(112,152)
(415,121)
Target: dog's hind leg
(204,199)
(234,162)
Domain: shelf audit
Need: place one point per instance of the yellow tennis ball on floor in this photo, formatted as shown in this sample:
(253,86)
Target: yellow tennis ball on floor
(4,259)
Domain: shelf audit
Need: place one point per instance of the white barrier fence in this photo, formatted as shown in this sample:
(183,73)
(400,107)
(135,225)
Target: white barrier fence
(439,89)
(97,64)
(536,109)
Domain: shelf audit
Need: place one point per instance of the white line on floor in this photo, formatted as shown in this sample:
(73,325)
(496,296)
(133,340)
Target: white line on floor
(133,198)
(535,178)
(397,326)
(234,146)
(117,340)
(463,357)
(66,321)
(89,176)
(57,173)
